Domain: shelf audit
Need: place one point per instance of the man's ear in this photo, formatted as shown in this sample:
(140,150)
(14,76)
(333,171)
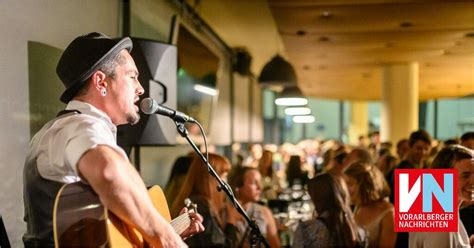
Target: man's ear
(99,80)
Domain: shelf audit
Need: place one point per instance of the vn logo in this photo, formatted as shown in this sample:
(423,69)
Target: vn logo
(426,200)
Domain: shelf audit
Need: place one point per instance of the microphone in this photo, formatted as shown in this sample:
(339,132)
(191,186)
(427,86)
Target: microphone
(150,106)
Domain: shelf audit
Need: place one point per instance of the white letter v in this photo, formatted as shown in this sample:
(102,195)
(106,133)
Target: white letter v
(407,197)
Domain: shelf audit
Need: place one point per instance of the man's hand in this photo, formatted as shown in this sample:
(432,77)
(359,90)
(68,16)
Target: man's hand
(169,239)
(195,226)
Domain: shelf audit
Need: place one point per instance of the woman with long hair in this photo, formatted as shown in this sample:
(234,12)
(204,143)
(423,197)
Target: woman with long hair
(334,224)
(202,189)
(246,184)
(369,193)
(271,184)
(177,176)
(294,172)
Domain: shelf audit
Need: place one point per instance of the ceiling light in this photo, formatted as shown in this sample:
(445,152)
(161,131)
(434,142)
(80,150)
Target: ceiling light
(301,33)
(291,101)
(326,15)
(297,111)
(278,72)
(406,24)
(205,90)
(446,52)
(303,119)
(323,39)
(469,35)
(291,96)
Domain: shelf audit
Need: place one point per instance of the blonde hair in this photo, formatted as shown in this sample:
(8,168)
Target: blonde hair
(372,185)
(200,183)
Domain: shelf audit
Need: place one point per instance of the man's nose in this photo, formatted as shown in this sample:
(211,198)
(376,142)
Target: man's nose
(140,89)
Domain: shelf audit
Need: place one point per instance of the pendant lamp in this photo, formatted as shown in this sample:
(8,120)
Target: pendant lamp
(278,72)
(291,96)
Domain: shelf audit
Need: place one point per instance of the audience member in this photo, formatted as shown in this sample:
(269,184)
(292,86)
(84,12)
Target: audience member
(246,184)
(381,153)
(177,176)
(402,148)
(446,159)
(368,190)
(333,224)
(337,165)
(255,151)
(202,189)
(363,141)
(419,145)
(357,155)
(467,140)
(460,158)
(294,173)
(386,145)
(450,142)
(327,160)
(270,182)
(387,163)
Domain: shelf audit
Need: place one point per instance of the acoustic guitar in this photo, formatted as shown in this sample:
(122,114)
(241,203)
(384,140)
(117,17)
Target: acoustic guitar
(80,219)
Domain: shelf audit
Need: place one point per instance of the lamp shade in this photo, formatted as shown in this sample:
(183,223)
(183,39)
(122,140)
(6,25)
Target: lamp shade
(291,96)
(278,72)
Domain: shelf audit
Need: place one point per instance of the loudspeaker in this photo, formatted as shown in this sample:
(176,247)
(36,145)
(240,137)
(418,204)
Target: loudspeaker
(157,66)
(241,61)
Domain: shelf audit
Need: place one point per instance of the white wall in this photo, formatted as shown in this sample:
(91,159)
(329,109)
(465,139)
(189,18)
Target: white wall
(53,22)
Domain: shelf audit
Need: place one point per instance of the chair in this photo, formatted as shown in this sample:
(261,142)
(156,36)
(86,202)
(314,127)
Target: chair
(4,242)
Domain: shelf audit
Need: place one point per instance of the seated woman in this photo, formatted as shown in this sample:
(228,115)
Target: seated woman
(294,172)
(333,224)
(246,184)
(177,176)
(271,183)
(368,190)
(201,188)
(459,158)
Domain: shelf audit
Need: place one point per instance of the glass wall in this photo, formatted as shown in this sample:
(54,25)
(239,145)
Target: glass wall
(450,118)
(329,114)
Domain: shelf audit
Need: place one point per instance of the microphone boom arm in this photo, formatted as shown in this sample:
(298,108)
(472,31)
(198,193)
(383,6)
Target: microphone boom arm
(256,235)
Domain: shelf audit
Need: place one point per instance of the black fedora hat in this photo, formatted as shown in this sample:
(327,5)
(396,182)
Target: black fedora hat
(84,56)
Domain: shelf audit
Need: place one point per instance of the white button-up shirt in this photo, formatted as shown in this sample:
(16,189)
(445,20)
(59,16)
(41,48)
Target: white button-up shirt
(59,145)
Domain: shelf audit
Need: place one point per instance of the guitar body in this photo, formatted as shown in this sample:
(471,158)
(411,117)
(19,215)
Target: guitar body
(80,219)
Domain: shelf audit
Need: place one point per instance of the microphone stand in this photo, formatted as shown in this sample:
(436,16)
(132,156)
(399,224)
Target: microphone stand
(256,237)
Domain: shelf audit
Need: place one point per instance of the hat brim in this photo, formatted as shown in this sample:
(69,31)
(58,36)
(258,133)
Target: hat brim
(70,92)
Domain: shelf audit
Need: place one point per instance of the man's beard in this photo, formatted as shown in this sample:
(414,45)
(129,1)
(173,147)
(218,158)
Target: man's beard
(133,118)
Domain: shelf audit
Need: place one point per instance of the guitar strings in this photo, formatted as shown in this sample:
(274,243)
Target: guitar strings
(181,223)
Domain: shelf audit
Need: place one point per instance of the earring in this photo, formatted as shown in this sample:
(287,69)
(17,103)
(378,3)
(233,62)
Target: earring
(103,92)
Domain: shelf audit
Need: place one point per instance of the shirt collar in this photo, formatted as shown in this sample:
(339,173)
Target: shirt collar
(89,109)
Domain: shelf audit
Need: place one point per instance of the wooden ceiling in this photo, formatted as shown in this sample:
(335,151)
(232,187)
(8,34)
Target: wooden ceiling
(338,48)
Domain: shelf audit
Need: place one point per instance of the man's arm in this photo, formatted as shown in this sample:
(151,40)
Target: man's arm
(123,192)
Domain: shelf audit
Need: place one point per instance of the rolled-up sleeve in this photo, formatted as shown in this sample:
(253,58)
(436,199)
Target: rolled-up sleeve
(88,135)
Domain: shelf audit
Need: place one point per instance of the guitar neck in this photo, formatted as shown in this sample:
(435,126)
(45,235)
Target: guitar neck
(181,223)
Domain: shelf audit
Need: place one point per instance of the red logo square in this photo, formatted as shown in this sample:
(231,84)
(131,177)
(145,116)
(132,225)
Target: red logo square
(426,200)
